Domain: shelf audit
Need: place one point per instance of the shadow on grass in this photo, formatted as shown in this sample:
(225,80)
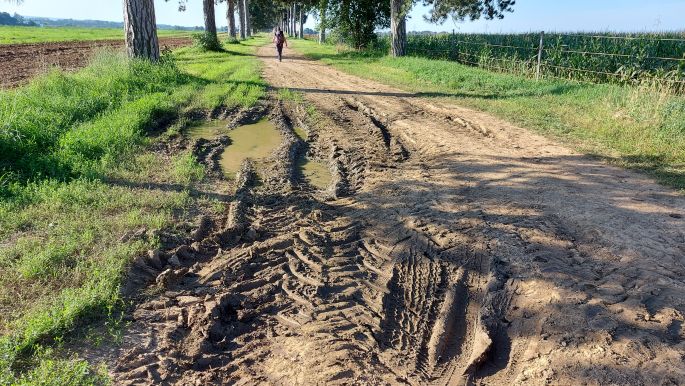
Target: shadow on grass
(659,166)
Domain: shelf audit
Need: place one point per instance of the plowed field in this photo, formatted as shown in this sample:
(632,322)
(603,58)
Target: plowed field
(21,62)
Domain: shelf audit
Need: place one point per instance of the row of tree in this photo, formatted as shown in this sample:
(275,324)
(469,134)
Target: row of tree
(353,21)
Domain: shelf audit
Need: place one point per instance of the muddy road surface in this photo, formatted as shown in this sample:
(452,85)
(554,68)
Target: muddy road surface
(450,248)
(21,62)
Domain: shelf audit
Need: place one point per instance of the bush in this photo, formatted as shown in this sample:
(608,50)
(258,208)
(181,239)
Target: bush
(207,42)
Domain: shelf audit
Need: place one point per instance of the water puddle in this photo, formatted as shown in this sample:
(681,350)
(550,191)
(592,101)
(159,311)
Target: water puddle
(300,132)
(316,173)
(256,141)
(208,131)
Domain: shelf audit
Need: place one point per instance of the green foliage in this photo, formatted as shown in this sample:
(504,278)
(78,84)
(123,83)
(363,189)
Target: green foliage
(588,56)
(48,371)
(286,94)
(354,22)
(207,41)
(641,127)
(76,182)
(231,83)
(460,10)
(36,138)
(187,170)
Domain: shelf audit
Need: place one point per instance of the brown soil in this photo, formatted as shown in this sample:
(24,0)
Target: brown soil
(451,248)
(21,62)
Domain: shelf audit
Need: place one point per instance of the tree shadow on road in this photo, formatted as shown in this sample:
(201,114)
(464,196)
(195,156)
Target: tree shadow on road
(583,268)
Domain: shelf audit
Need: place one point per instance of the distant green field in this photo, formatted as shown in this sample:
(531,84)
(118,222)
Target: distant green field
(15,35)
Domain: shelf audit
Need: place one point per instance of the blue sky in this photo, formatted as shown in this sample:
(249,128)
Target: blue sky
(529,15)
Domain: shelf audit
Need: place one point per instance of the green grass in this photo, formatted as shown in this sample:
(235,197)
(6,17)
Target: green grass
(639,127)
(78,174)
(17,35)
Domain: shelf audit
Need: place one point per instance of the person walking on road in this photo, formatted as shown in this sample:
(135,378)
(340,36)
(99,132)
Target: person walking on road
(279,39)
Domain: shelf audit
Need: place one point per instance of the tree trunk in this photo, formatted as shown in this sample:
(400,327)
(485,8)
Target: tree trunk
(210,20)
(230,16)
(280,22)
(287,21)
(322,25)
(293,24)
(398,28)
(140,28)
(248,19)
(241,16)
(301,23)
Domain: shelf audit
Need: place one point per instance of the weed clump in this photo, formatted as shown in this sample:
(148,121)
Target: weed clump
(207,42)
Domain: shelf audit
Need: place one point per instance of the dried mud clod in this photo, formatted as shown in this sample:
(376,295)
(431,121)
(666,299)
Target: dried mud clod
(285,173)
(237,220)
(239,117)
(209,152)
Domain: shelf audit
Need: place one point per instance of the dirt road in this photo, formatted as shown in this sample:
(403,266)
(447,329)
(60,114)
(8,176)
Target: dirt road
(21,62)
(452,248)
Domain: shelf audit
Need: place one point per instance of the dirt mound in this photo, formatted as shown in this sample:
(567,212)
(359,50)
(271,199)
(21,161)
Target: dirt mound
(21,62)
(450,248)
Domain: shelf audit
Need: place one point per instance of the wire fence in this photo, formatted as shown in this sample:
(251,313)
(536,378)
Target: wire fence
(584,57)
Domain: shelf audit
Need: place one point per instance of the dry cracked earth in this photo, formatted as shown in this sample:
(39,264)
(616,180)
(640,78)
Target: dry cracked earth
(451,248)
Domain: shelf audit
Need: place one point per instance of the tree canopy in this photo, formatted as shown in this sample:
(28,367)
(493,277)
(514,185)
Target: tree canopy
(468,9)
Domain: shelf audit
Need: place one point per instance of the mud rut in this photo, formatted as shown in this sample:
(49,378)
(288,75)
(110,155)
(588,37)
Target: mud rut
(451,248)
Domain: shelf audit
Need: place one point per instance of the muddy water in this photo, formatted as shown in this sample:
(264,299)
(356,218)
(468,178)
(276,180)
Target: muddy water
(209,131)
(256,141)
(316,173)
(301,133)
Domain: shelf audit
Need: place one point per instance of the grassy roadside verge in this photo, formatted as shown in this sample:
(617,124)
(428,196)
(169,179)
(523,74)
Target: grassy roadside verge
(83,191)
(20,35)
(642,128)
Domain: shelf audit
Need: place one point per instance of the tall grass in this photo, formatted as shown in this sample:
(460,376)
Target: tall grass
(604,57)
(60,124)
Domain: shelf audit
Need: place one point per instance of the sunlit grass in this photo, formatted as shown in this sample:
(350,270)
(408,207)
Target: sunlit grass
(78,176)
(16,35)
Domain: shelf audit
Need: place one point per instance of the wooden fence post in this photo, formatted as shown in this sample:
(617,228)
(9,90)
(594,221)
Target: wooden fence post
(540,48)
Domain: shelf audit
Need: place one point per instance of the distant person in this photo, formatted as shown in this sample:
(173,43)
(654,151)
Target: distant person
(279,39)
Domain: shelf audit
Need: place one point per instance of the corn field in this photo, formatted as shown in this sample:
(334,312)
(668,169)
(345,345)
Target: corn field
(578,56)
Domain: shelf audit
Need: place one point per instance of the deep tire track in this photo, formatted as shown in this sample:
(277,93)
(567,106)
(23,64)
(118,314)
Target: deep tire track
(450,249)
